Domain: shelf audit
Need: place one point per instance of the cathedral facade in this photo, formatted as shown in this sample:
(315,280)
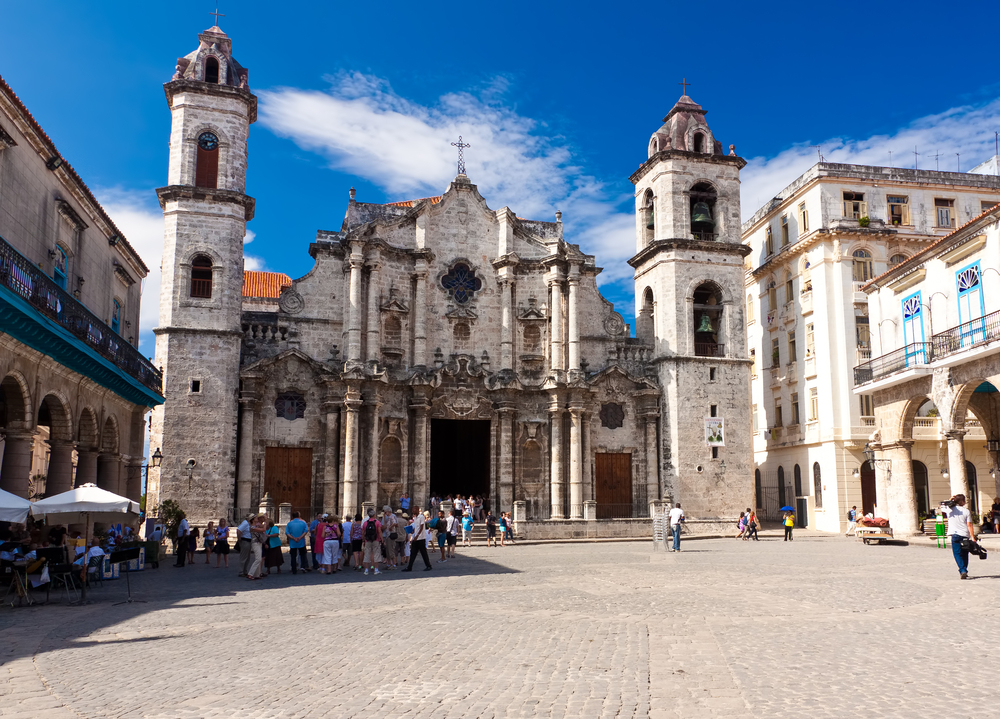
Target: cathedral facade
(439,346)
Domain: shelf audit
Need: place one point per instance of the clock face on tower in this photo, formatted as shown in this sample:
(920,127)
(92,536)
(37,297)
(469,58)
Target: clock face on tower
(208,141)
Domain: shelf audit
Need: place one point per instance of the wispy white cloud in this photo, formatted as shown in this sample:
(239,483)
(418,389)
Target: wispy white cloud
(966,131)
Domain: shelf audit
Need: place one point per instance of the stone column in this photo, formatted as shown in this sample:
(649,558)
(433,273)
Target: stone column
(133,479)
(374,349)
(575,462)
(108,469)
(505,411)
(331,494)
(86,468)
(652,460)
(556,352)
(902,496)
(419,492)
(506,327)
(16,463)
(353,404)
(588,480)
(558,483)
(956,463)
(574,320)
(354,306)
(419,317)
(59,478)
(371,493)
(244,466)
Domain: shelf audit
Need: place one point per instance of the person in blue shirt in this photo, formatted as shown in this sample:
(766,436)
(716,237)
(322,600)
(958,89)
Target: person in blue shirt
(404,502)
(312,539)
(296,531)
(467,524)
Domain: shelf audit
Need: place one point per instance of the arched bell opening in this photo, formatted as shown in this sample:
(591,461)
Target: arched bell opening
(645,322)
(708,321)
(648,218)
(703,199)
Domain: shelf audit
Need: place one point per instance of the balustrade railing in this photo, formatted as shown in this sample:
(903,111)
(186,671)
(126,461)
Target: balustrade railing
(25,279)
(966,335)
(709,349)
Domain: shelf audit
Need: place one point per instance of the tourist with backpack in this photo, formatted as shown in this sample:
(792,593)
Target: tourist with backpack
(371,540)
(452,538)
(356,541)
(852,521)
(390,533)
(491,529)
(752,523)
(440,525)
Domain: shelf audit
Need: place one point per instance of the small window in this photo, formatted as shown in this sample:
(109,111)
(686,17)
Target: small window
(116,316)
(817,486)
(862,331)
(201,277)
(810,340)
(461,283)
(789,291)
(749,309)
(803,219)
(753,364)
(753,418)
(945,212)
(768,242)
(863,270)
(813,404)
(795,407)
(784,230)
(715,452)
(985,205)
(212,71)
(711,378)
(699,142)
(777,414)
(195,386)
(855,206)
(772,298)
(895,260)
(206,172)
(775,352)
(792,353)
(713,409)
(899,209)
(290,405)
(867,408)
(59,264)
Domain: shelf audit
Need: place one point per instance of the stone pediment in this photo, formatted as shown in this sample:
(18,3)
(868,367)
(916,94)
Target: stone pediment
(461,313)
(394,304)
(531,313)
(617,381)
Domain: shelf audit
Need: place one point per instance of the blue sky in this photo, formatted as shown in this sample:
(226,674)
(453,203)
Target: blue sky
(557,99)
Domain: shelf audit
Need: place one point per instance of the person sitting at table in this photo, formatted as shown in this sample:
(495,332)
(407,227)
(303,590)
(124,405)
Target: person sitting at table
(94,551)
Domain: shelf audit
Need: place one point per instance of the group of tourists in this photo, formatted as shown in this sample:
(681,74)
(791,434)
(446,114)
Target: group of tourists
(747,526)
(475,506)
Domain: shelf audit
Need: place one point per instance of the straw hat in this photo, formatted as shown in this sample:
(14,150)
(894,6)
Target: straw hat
(400,512)
(405,515)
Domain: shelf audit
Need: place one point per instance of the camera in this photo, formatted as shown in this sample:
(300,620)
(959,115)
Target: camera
(949,503)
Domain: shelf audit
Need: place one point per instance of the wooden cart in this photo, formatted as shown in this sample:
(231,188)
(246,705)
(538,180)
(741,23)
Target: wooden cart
(873,534)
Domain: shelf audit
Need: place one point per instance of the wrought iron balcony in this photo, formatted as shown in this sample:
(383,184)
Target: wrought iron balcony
(26,280)
(709,349)
(912,355)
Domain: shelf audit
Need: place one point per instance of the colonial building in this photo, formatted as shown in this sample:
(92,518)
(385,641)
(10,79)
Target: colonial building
(73,387)
(935,371)
(813,248)
(440,346)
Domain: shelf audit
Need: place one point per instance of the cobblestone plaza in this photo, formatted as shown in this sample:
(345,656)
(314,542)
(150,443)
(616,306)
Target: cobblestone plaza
(821,627)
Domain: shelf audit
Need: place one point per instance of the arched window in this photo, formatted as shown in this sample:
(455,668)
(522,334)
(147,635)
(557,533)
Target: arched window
(896,259)
(707,322)
(201,277)
(817,486)
(59,265)
(206,172)
(702,205)
(532,340)
(461,335)
(920,486)
(863,266)
(212,71)
(290,405)
(797,474)
(970,474)
(758,489)
(649,217)
(116,316)
(781,487)
(699,142)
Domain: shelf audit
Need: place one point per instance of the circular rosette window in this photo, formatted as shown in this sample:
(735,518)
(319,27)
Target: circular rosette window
(461,283)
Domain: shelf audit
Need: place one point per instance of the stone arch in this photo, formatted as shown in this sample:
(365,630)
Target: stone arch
(701,195)
(708,319)
(985,409)
(15,399)
(797,474)
(87,434)
(648,217)
(54,412)
(109,435)
(904,430)
(212,71)
(723,294)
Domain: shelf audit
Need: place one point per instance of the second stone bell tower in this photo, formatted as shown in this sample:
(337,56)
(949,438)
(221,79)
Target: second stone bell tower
(688,290)
(205,211)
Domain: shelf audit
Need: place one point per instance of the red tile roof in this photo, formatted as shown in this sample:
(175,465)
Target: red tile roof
(264,284)
(411,203)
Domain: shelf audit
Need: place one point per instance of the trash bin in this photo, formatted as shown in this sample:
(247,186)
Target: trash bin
(939,533)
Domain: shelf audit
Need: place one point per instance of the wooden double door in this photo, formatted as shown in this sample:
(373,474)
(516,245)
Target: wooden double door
(613,484)
(288,476)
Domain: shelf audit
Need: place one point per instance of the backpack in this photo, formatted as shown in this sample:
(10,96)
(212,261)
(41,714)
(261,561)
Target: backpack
(850,515)
(371,531)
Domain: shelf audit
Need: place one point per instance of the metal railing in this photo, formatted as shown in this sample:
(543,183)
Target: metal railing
(709,349)
(704,236)
(25,279)
(967,335)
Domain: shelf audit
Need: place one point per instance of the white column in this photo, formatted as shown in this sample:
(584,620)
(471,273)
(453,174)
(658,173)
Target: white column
(354,309)
(574,322)
(575,463)
(419,314)
(558,485)
(244,476)
(902,497)
(956,463)
(506,327)
(556,353)
(353,404)
(374,349)
(371,493)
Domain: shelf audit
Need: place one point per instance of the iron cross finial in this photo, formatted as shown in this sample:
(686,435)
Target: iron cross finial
(461,154)
(685,84)
(217,15)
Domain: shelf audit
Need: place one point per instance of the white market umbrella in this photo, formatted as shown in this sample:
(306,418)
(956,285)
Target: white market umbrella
(87,503)
(13,508)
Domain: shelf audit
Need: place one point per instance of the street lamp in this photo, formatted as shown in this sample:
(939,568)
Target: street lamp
(157,458)
(993,444)
(869,453)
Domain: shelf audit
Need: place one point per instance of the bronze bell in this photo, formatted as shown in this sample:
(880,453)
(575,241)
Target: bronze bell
(705,323)
(701,216)
(651,220)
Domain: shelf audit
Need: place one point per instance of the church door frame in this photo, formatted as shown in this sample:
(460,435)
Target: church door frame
(613,485)
(288,476)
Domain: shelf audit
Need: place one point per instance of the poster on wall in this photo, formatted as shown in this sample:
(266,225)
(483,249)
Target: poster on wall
(714,434)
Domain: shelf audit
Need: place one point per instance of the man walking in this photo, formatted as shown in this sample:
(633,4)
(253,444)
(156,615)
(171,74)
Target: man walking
(452,538)
(296,532)
(181,543)
(676,517)
(246,551)
(418,543)
(371,538)
(852,521)
(962,532)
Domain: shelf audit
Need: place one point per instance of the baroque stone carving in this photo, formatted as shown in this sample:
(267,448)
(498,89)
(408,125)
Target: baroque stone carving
(291,302)
(614,325)
(612,415)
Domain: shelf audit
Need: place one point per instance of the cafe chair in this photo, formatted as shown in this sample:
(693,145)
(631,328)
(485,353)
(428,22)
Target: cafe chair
(95,570)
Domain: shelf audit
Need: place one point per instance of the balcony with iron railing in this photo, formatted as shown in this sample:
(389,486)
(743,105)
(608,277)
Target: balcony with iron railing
(966,336)
(27,281)
(709,349)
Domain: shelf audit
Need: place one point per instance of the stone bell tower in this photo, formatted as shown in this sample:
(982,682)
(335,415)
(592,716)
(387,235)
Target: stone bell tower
(205,211)
(688,289)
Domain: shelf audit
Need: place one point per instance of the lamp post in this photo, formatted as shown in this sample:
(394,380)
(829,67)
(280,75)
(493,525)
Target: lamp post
(885,464)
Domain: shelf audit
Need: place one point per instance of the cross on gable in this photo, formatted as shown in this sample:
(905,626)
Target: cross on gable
(461,155)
